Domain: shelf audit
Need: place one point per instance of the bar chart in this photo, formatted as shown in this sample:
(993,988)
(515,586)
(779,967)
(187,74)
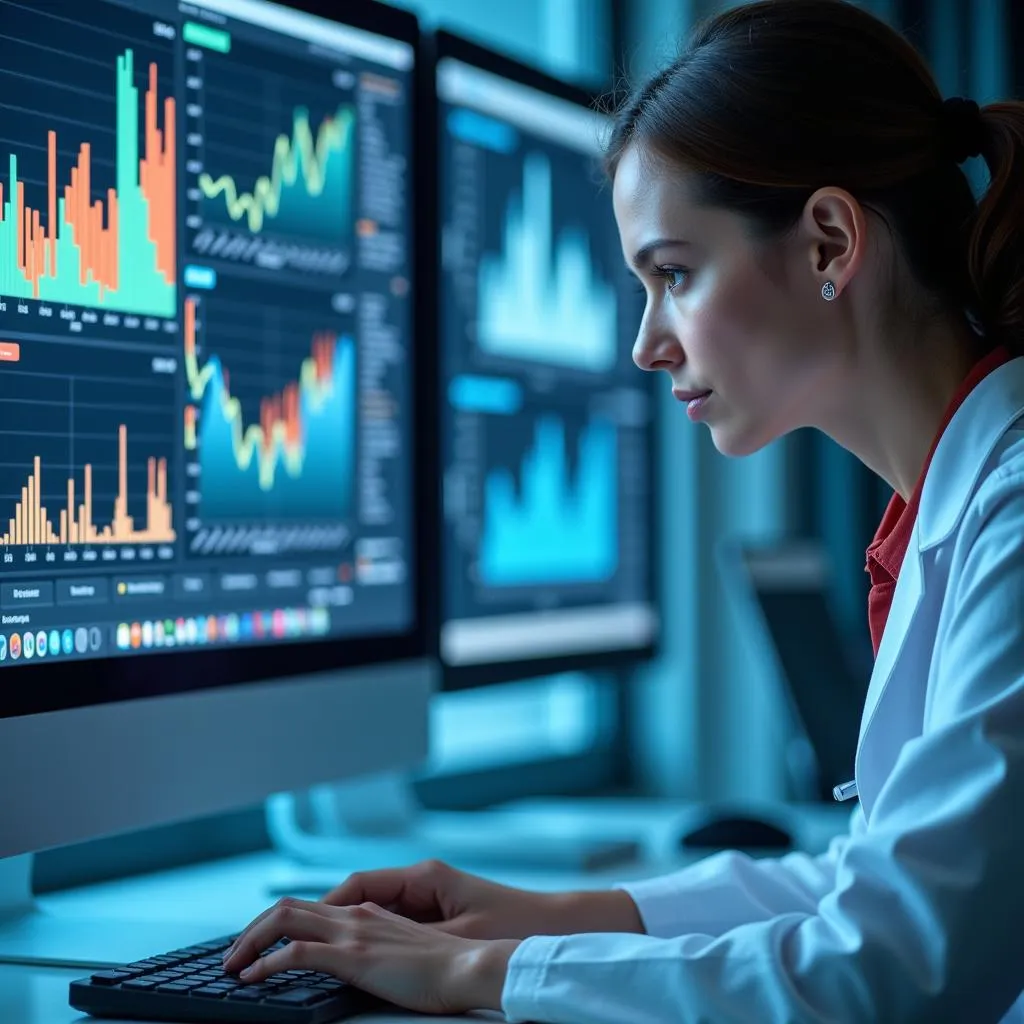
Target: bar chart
(550,524)
(88,188)
(32,522)
(541,296)
(87,470)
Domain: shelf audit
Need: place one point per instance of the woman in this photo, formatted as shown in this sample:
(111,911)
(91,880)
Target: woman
(789,194)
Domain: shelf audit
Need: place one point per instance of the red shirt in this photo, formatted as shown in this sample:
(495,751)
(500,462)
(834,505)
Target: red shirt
(886,552)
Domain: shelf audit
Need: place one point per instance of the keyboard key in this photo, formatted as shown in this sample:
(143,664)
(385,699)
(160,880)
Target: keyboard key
(111,977)
(172,986)
(209,993)
(298,997)
(244,995)
(140,984)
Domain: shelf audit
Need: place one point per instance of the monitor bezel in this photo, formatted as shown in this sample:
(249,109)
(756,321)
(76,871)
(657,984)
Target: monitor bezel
(60,686)
(437,46)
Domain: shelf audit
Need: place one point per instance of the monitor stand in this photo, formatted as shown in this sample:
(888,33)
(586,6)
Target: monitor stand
(377,822)
(32,932)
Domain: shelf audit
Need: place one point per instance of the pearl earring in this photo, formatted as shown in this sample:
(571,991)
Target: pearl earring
(828,291)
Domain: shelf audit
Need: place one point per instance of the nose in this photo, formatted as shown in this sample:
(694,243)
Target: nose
(656,348)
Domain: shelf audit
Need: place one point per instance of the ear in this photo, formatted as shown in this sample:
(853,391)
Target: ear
(837,229)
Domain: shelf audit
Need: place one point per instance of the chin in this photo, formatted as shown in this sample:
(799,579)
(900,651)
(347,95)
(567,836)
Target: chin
(737,443)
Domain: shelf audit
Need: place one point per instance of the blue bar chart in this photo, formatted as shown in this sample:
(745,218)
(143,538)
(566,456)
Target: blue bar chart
(558,527)
(545,447)
(541,298)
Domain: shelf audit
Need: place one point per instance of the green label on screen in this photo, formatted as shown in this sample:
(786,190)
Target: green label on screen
(203,35)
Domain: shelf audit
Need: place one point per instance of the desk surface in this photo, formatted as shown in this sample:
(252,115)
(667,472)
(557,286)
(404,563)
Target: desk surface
(207,900)
(196,903)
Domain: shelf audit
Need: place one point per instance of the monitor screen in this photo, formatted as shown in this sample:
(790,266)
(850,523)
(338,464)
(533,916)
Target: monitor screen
(547,424)
(205,339)
(824,671)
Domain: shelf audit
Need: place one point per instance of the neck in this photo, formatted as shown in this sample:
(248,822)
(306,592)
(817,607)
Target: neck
(898,394)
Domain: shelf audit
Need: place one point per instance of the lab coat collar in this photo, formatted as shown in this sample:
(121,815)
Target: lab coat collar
(964,449)
(954,474)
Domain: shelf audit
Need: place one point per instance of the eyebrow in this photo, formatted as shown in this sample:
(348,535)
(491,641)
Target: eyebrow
(643,255)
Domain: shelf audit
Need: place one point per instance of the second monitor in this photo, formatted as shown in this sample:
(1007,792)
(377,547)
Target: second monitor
(547,425)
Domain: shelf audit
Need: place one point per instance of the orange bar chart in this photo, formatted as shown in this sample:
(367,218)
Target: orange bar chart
(93,237)
(33,522)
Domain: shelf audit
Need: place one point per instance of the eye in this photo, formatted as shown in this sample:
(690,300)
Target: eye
(674,277)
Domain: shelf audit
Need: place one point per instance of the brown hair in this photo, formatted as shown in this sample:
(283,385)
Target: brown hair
(772,100)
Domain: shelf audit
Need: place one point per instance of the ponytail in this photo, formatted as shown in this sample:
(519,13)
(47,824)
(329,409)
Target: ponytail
(995,256)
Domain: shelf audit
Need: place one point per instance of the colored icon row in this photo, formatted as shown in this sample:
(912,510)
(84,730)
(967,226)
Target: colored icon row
(52,643)
(279,624)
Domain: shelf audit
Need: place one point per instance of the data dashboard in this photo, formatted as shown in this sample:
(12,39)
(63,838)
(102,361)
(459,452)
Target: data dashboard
(205,327)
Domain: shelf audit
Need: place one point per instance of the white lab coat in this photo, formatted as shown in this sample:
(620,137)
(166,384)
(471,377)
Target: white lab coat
(917,913)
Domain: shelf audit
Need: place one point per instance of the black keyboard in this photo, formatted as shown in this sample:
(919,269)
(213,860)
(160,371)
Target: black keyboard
(191,985)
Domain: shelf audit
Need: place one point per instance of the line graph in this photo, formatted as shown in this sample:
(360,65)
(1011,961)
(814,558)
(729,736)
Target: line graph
(265,452)
(86,454)
(272,159)
(308,179)
(88,208)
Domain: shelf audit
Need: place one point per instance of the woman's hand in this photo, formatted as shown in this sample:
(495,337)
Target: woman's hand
(458,903)
(413,965)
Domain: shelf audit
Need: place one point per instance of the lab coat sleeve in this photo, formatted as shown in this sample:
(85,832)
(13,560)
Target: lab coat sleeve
(923,920)
(728,889)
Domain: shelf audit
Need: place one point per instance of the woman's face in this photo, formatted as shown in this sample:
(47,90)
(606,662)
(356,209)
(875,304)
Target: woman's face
(726,314)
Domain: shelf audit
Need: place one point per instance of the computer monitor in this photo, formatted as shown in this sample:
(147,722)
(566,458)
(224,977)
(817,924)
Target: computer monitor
(210,578)
(783,594)
(547,426)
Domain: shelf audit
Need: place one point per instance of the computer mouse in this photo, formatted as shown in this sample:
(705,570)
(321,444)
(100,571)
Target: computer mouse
(737,832)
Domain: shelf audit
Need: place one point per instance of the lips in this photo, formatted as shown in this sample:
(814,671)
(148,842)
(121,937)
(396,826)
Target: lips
(689,396)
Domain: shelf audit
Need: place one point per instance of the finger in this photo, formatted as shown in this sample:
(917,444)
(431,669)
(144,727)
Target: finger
(230,952)
(456,926)
(290,919)
(384,887)
(287,900)
(412,892)
(330,958)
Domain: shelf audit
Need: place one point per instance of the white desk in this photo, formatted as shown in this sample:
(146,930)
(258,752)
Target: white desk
(208,900)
